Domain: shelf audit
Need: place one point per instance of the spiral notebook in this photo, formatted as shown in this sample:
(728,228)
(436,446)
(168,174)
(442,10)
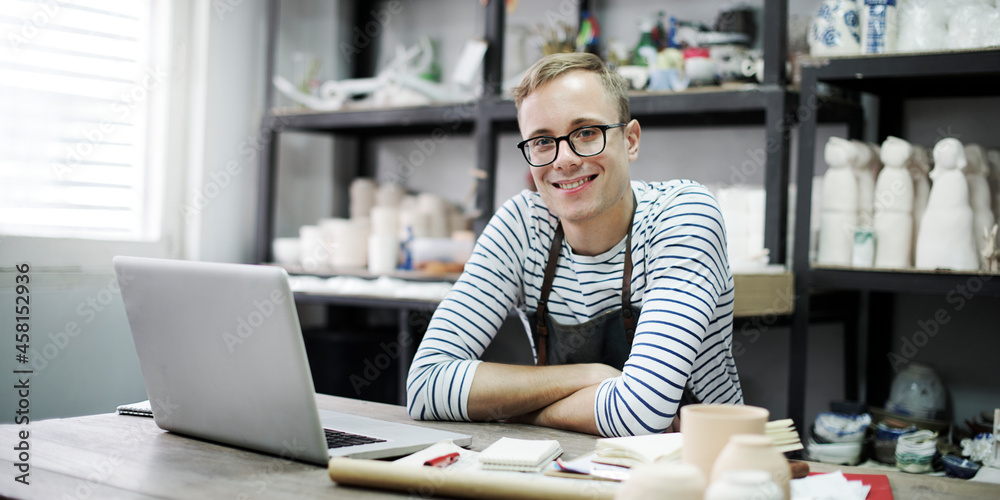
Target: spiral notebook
(140,409)
(521,455)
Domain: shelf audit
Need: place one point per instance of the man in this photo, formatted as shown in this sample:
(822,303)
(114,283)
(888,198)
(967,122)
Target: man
(618,248)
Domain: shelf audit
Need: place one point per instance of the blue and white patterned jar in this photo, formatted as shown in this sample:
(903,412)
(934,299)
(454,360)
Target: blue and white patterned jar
(835,31)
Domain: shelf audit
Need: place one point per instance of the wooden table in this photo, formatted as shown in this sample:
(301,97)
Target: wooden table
(115,456)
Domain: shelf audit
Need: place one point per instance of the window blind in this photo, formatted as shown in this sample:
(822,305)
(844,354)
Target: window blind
(76,80)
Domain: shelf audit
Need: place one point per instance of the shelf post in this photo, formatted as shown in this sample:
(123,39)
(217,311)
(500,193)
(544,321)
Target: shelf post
(776,140)
(485,128)
(775,41)
(799,337)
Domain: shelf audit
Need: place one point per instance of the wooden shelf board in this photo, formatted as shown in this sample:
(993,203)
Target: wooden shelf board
(764,294)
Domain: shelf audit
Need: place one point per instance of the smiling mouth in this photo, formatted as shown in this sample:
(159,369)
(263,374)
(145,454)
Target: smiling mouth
(574,185)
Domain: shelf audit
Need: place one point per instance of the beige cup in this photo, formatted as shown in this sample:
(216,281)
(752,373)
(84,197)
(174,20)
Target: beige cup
(708,427)
(663,481)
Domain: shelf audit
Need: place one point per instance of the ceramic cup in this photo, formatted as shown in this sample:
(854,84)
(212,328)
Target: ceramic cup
(754,452)
(744,484)
(708,427)
(914,451)
(286,251)
(663,481)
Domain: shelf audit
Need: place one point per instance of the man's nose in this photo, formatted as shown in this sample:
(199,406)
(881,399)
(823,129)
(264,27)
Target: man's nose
(565,156)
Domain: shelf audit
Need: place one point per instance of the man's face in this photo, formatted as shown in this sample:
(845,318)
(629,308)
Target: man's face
(579,189)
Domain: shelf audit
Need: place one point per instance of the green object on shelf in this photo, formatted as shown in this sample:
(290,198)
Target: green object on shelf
(433,73)
(645,40)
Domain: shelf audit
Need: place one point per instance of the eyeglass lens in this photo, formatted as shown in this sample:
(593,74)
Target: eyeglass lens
(586,141)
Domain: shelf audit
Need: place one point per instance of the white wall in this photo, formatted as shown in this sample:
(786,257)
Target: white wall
(233,106)
(81,350)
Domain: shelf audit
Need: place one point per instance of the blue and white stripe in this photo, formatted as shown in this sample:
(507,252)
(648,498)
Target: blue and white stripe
(681,279)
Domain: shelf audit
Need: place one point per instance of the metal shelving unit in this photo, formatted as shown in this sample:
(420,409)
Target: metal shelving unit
(893,79)
(771,104)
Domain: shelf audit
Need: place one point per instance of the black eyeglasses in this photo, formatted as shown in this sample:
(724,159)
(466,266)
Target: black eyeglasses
(584,141)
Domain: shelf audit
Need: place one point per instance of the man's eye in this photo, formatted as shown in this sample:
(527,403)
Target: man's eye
(542,142)
(587,133)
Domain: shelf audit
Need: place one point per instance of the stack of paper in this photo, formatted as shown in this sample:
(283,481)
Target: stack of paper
(522,455)
(785,437)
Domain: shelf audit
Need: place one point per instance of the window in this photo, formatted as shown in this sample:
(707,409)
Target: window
(83,88)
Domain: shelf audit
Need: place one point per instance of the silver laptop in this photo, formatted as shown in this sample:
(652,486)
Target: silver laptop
(223,359)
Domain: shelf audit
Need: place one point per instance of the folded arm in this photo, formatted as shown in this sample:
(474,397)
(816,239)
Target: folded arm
(559,396)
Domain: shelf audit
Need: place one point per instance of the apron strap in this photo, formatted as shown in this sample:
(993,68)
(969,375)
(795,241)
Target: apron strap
(627,316)
(543,300)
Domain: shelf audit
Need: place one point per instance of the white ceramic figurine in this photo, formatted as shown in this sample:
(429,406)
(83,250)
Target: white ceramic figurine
(840,204)
(946,239)
(894,206)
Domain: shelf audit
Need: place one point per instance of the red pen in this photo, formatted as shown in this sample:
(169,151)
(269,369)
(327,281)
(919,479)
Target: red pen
(443,460)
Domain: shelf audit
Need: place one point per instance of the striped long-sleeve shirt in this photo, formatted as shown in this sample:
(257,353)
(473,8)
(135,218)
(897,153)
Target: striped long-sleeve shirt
(681,280)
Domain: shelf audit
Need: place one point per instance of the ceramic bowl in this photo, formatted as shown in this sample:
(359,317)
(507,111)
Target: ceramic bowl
(915,451)
(841,428)
(959,467)
(835,453)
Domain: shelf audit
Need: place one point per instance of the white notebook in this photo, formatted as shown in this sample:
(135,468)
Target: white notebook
(523,455)
(630,451)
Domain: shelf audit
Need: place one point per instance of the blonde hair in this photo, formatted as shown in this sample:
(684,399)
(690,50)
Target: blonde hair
(552,66)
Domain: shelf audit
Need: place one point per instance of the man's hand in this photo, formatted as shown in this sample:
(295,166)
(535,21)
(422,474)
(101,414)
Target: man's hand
(675,426)
(513,391)
(574,413)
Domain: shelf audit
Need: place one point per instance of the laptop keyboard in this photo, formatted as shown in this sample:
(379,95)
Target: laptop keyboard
(340,439)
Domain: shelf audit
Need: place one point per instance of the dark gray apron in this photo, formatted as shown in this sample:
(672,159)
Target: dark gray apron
(605,339)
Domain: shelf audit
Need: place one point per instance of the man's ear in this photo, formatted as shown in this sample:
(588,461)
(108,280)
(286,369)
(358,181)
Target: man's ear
(632,134)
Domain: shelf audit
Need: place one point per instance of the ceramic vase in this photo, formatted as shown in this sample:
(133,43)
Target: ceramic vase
(663,481)
(879,27)
(362,197)
(835,31)
(754,452)
(708,427)
(923,26)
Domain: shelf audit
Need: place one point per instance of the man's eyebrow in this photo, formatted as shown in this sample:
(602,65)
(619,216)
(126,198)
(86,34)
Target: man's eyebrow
(575,123)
